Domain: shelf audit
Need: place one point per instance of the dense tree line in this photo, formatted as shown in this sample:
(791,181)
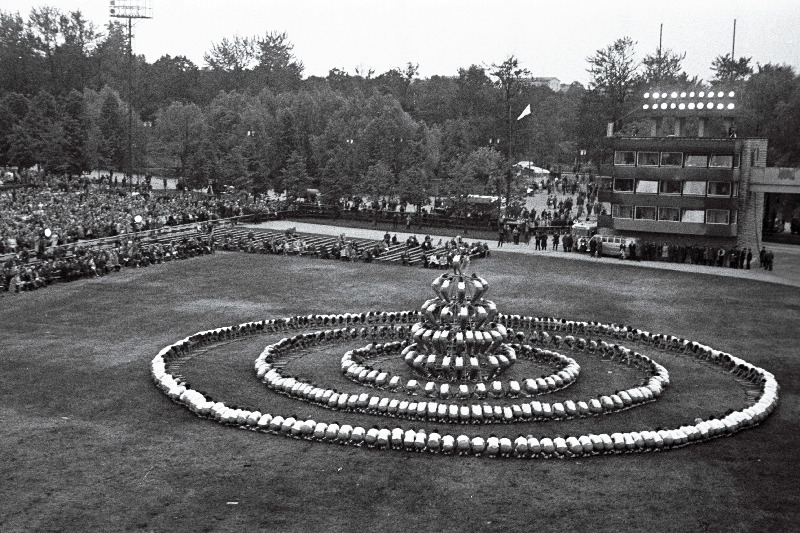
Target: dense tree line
(249,118)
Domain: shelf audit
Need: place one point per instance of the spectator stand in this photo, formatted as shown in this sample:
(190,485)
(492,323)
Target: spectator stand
(289,242)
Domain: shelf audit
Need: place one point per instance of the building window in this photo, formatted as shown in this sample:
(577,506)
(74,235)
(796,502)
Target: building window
(671,159)
(625,158)
(670,187)
(721,161)
(700,161)
(669,214)
(645,213)
(694,188)
(648,159)
(719,188)
(646,187)
(693,215)
(623,184)
(621,211)
(717,216)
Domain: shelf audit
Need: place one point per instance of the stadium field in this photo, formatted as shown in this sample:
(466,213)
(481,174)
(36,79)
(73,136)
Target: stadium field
(90,444)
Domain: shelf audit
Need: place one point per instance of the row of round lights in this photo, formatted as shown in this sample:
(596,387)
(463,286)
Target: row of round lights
(701,94)
(690,105)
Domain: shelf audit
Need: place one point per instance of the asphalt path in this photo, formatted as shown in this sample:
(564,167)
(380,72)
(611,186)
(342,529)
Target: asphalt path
(786,270)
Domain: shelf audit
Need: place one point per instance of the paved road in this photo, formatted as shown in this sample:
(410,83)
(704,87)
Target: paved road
(786,272)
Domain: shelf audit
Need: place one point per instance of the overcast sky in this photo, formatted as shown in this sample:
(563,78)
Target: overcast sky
(550,38)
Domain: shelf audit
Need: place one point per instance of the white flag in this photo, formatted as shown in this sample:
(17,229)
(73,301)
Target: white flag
(525,112)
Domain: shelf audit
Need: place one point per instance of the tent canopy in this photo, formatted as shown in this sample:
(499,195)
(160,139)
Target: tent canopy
(529,166)
(480,199)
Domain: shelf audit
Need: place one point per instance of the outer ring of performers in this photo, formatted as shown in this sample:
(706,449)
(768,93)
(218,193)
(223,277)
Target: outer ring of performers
(409,439)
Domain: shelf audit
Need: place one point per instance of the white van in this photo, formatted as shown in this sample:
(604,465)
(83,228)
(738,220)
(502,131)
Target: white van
(581,233)
(610,244)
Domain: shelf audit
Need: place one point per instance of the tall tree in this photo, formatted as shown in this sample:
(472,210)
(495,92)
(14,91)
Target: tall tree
(663,67)
(413,186)
(276,67)
(509,76)
(110,58)
(35,139)
(170,79)
(232,59)
(76,134)
(614,74)
(78,39)
(475,93)
(43,25)
(17,60)
(112,145)
(771,109)
(13,108)
(378,182)
(294,178)
(728,70)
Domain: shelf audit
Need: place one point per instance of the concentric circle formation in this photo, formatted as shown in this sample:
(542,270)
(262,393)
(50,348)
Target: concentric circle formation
(457,348)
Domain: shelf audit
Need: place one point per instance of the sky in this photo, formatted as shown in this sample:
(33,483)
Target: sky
(549,38)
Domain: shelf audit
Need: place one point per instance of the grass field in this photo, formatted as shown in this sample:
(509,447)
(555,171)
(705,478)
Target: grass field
(90,444)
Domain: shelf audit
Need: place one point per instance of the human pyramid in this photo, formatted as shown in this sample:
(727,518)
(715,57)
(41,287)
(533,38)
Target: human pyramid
(457,346)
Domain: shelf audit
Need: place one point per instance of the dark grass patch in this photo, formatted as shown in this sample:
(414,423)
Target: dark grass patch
(128,459)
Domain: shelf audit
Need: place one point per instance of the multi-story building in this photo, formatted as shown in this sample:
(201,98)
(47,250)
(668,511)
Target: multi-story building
(685,189)
(554,84)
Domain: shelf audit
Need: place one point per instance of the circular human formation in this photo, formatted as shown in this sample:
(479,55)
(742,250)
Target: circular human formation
(457,338)
(356,367)
(448,391)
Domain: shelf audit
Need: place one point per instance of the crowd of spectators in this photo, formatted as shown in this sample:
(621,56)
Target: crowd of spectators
(48,226)
(734,257)
(68,263)
(85,209)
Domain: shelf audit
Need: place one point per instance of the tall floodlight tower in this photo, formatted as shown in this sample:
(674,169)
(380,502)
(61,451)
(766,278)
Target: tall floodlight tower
(130,9)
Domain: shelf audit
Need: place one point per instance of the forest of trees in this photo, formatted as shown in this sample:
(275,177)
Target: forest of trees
(249,118)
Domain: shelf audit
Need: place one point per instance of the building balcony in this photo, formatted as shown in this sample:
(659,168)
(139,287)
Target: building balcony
(678,144)
(668,200)
(671,173)
(666,228)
